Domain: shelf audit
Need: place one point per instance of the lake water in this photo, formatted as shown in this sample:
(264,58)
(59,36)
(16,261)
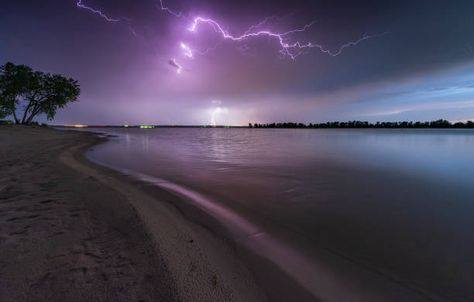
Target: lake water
(350,215)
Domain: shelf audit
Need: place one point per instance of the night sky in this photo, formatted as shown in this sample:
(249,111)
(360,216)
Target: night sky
(404,60)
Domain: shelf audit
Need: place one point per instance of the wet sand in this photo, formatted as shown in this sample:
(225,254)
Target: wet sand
(73,231)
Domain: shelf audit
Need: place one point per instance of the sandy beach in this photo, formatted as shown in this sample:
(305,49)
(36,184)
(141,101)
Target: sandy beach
(74,231)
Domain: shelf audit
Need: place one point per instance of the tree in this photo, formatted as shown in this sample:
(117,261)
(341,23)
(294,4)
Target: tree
(33,92)
(13,80)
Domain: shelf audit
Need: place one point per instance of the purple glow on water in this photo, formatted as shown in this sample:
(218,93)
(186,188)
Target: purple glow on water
(394,203)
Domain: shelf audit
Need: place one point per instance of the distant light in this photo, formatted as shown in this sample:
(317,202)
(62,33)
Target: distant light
(147,126)
(77,126)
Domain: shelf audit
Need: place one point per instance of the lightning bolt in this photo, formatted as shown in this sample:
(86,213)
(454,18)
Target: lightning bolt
(340,49)
(166,9)
(287,47)
(261,23)
(96,11)
(187,51)
(190,52)
(291,49)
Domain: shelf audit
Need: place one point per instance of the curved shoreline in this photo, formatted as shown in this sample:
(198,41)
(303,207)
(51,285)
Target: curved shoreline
(72,230)
(224,228)
(203,266)
(299,276)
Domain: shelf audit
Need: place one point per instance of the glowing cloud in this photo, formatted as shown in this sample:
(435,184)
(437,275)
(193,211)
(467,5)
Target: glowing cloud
(217,111)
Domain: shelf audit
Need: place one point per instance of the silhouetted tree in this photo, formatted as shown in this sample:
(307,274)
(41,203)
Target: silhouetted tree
(34,92)
(365,124)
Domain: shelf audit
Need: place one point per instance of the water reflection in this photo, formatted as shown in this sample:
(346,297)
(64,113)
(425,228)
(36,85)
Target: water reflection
(396,201)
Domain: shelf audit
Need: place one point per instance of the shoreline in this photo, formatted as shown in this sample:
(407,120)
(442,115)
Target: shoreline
(193,264)
(260,274)
(328,277)
(198,254)
(264,270)
(212,273)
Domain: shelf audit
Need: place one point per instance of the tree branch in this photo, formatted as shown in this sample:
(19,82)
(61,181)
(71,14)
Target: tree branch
(30,103)
(15,117)
(34,112)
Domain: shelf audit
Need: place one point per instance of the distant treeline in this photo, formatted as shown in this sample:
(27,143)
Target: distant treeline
(362,124)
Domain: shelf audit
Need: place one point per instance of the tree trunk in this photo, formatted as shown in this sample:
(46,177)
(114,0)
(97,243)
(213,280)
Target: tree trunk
(25,114)
(15,118)
(34,113)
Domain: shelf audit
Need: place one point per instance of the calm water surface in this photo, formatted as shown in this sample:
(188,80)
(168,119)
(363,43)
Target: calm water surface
(396,203)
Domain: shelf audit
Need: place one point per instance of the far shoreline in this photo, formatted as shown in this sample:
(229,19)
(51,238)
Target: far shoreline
(436,124)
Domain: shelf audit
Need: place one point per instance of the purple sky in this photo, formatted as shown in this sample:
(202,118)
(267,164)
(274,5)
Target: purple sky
(416,63)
